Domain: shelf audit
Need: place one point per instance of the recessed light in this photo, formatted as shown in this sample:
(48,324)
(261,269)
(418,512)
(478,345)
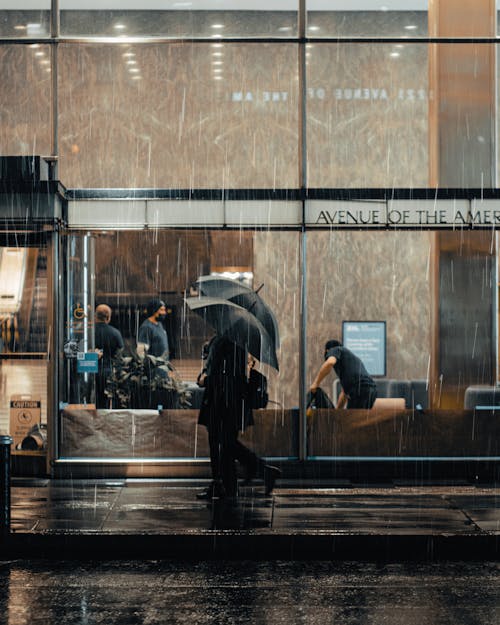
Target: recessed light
(40,53)
(217,45)
(284,28)
(217,62)
(313,28)
(217,54)
(120,26)
(134,70)
(136,77)
(131,62)
(394,54)
(218,78)
(217,70)
(411,27)
(128,54)
(34,45)
(20,27)
(217,25)
(218,36)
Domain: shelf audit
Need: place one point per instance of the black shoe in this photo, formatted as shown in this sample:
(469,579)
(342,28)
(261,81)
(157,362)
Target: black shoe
(249,477)
(214,491)
(271,474)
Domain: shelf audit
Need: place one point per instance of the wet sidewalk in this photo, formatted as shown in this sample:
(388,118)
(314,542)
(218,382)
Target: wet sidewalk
(163,519)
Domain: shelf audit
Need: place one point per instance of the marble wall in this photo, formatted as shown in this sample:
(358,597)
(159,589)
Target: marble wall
(373,276)
(25,100)
(197,115)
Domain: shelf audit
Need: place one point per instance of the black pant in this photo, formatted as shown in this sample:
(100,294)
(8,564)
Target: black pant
(225,448)
(364,398)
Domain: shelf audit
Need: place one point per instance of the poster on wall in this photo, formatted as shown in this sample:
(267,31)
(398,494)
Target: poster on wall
(367,339)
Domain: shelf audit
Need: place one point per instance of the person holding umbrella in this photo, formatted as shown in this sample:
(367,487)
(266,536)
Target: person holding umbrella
(225,411)
(358,388)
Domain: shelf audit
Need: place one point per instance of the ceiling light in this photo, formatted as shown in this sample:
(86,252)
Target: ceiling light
(313,28)
(411,27)
(217,62)
(284,28)
(217,70)
(134,70)
(218,36)
(394,54)
(136,77)
(217,54)
(218,78)
(120,26)
(20,27)
(128,54)
(40,53)
(131,62)
(34,45)
(217,25)
(217,45)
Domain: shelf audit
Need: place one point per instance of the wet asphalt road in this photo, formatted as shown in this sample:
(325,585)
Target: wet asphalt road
(220,593)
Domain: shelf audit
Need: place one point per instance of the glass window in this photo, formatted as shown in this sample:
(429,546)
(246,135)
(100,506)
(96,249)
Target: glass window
(436,293)
(178,116)
(25,100)
(139,414)
(352,18)
(367,115)
(33,20)
(198,18)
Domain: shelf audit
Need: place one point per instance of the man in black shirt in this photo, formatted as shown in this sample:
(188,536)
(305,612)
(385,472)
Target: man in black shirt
(358,388)
(108,341)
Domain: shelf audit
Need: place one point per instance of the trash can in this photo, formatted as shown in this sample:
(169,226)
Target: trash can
(5,443)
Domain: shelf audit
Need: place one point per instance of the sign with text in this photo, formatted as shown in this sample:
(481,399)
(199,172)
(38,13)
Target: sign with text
(25,412)
(345,213)
(87,362)
(427,213)
(366,339)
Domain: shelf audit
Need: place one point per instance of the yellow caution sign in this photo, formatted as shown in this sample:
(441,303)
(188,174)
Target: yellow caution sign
(25,412)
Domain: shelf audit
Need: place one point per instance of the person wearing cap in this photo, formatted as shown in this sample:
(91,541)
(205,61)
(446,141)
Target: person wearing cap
(152,338)
(358,388)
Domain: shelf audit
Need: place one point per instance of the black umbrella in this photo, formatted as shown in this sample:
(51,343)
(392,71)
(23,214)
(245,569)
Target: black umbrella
(238,325)
(244,296)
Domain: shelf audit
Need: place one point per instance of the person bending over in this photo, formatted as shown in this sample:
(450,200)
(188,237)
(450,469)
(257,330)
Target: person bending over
(358,388)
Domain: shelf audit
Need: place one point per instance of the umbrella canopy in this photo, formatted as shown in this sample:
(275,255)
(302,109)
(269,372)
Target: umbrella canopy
(244,296)
(238,325)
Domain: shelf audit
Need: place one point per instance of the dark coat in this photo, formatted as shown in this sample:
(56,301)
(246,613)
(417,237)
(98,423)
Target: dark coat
(226,396)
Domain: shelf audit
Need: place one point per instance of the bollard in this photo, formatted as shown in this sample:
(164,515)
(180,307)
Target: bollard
(5,443)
